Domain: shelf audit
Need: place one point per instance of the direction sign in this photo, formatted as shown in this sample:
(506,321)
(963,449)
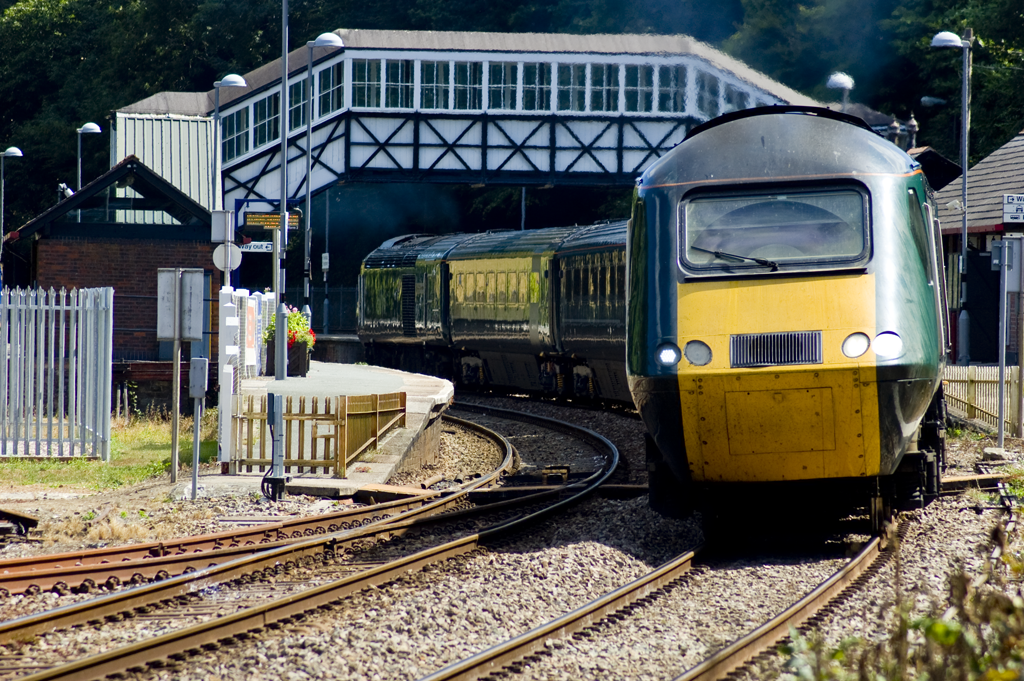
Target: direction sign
(1013,208)
(258,247)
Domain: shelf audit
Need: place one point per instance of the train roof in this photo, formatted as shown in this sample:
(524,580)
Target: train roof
(778,144)
(405,250)
(608,234)
(512,243)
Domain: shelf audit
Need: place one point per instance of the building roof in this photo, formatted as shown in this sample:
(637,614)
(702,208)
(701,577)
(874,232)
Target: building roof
(1002,172)
(456,41)
(151,193)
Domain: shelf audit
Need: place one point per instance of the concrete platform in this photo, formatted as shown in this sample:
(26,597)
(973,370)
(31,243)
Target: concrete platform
(427,398)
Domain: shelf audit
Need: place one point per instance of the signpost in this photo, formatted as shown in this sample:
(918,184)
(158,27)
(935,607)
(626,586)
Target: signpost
(179,317)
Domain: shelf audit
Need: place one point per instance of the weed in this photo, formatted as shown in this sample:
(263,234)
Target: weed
(88,515)
(978,634)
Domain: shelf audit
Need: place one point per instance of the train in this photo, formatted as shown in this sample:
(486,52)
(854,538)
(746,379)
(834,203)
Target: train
(774,307)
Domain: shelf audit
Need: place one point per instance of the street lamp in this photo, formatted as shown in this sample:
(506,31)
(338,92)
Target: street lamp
(13,152)
(949,39)
(230,80)
(841,81)
(89,128)
(331,41)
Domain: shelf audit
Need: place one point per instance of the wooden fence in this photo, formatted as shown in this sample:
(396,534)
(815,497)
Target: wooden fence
(974,391)
(320,434)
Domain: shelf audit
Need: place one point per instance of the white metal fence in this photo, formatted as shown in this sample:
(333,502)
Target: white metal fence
(974,391)
(55,372)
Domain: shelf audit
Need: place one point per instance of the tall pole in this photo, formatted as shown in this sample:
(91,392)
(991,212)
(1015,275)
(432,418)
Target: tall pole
(216,202)
(13,152)
(307,217)
(329,40)
(280,330)
(78,187)
(963,332)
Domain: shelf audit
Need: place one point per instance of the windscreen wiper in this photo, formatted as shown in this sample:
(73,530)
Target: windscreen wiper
(723,254)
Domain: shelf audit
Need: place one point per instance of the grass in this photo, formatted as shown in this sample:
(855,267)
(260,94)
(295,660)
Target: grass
(140,450)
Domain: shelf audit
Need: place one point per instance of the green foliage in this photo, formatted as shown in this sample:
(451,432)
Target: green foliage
(298,329)
(978,634)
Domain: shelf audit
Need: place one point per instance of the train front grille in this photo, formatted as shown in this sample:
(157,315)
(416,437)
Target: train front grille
(775,349)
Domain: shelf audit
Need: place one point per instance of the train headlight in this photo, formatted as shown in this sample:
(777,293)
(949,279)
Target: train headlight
(697,353)
(887,345)
(668,354)
(856,344)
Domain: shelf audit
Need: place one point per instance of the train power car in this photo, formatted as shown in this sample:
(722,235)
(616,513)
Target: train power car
(786,313)
(539,310)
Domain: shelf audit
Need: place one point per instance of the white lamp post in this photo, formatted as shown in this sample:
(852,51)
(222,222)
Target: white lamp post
(949,39)
(89,128)
(841,81)
(230,80)
(332,41)
(13,152)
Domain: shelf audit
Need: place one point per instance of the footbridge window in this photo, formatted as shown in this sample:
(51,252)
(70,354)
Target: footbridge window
(234,131)
(434,84)
(332,88)
(266,120)
(537,87)
(398,87)
(366,83)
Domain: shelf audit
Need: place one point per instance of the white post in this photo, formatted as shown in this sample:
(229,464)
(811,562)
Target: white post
(227,327)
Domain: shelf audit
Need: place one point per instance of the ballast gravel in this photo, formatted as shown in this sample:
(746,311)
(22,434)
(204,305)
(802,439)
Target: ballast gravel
(425,620)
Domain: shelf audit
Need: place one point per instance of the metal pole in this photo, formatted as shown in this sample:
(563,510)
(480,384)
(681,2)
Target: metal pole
(280,332)
(1005,256)
(327,253)
(963,322)
(79,185)
(2,156)
(217,201)
(176,376)
(522,210)
(308,213)
(197,415)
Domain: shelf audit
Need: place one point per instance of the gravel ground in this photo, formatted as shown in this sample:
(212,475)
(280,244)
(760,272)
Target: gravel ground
(426,620)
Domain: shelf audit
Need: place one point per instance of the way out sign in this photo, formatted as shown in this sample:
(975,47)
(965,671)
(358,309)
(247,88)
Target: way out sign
(1013,208)
(179,290)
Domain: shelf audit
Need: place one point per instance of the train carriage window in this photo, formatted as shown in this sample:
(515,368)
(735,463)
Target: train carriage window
(752,234)
(481,288)
(513,288)
(534,287)
(460,289)
(524,288)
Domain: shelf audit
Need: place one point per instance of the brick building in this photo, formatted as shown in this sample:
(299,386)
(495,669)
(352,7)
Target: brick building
(117,232)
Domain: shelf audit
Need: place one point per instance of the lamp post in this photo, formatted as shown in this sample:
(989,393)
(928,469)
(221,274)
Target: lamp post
(89,128)
(841,81)
(281,238)
(332,41)
(949,39)
(230,80)
(13,152)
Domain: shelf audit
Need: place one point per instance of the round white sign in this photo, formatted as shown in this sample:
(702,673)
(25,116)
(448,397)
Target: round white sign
(219,259)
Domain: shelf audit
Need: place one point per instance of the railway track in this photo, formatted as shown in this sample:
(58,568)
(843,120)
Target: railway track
(512,656)
(308,568)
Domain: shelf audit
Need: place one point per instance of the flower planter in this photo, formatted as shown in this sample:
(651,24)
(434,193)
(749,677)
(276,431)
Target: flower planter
(298,359)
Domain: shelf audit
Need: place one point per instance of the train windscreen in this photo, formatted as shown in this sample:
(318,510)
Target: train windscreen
(793,230)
